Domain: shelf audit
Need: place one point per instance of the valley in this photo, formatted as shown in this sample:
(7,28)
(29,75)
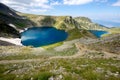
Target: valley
(80,56)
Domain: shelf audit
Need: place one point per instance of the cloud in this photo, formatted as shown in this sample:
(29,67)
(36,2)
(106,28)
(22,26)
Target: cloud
(117,3)
(38,6)
(76,2)
(81,2)
(28,5)
(54,3)
(101,1)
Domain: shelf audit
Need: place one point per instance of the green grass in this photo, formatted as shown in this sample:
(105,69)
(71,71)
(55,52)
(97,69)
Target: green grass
(70,69)
(25,56)
(20,53)
(51,46)
(74,34)
(78,33)
(111,46)
(44,75)
(66,52)
(114,30)
(20,24)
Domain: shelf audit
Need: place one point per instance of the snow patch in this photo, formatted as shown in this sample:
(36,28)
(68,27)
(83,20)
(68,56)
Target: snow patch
(16,41)
(21,31)
(12,25)
(11,14)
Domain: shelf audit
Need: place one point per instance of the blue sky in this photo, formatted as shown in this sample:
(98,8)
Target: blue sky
(101,11)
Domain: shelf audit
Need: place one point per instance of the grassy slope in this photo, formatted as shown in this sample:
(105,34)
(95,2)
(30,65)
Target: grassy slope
(83,68)
(114,30)
(44,20)
(86,23)
(19,23)
(46,67)
(110,44)
(62,69)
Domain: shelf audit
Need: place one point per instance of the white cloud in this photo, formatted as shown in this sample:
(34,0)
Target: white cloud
(81,2)
(28,5)
(117,3)
(36,10)
(101,1)
(76,2)
(38,6)
(55,3)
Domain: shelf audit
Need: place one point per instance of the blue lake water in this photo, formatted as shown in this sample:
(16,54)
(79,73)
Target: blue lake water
(41,36)
(98,33)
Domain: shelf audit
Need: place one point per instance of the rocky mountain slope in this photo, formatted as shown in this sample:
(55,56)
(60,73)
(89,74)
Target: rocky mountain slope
(9,17)
(12,22)
(17,21)
(8,31)
(60,22)
(80,57)
(8,11)
(64,22)
(110,44)
(87,24)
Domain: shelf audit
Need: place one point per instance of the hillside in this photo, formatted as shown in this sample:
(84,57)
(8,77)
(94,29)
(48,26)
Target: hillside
(110,44)
(8,31)
(60,22)
(81,56)
(8,11)
(114,30)
(77,61)
(64,22)
(17,21)
(10,22)
(87,24)
(9,16)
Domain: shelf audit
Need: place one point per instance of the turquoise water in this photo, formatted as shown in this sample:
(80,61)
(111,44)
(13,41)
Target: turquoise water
(41,36)
(98,33)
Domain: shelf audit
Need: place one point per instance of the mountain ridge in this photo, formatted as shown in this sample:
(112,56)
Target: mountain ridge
(21,21)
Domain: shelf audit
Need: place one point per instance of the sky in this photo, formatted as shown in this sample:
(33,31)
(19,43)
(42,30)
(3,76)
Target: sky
(106,12)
